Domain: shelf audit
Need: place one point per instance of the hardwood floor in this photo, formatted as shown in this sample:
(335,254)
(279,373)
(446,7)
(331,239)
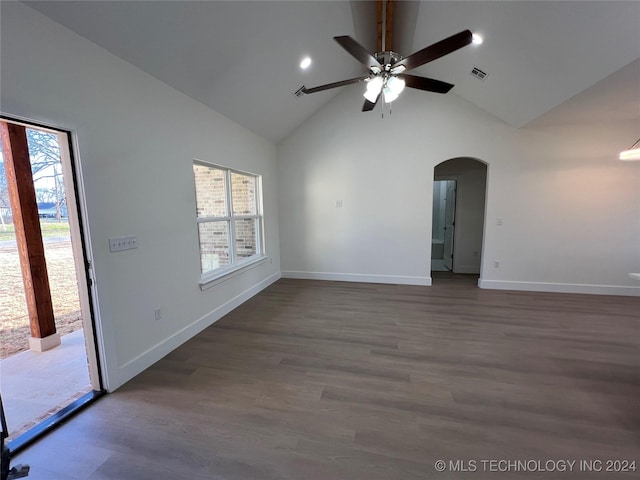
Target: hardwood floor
(327,380)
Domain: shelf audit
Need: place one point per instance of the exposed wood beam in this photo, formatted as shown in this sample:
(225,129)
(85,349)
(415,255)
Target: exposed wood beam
(379,26)
(385,25)
(24,208)
(389,25)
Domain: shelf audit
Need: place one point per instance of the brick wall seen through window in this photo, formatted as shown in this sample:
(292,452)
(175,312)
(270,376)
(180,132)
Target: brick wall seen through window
(228,217)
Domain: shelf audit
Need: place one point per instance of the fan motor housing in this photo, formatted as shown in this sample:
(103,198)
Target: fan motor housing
(386,59)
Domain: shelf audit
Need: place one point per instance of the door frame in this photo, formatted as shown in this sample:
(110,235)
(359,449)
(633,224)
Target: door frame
(454,178)
(487,204)
(81,246)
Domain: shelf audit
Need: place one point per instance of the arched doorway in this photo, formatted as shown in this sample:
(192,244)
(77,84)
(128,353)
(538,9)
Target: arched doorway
(459,197)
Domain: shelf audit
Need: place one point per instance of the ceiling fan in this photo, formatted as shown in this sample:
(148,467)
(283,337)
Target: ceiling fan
(387,69)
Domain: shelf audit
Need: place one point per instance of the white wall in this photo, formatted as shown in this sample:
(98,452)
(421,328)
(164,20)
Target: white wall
(470,176)
(136,139)
(570,210)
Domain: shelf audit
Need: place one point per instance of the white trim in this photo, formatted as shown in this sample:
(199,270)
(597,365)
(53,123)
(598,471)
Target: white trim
(207,163)
(232,271)
(150,356)
(560,287)
(99,336)
(75,203)
(227,219)
(359,277)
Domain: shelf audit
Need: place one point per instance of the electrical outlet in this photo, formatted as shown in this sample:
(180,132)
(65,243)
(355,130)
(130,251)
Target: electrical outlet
(499,221)
(157,314)
(496,264)
(119,244)
(338,203)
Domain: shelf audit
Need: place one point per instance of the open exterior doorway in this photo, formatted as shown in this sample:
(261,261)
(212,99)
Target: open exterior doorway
(49,362)
(459,194)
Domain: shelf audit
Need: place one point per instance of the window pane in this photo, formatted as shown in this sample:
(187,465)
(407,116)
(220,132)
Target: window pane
(243,191)
(214,245)
(211,200)
(246,239)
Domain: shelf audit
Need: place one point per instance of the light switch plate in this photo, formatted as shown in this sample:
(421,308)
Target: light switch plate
(119,244)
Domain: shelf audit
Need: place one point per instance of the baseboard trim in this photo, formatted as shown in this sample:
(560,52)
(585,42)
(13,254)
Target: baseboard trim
(560,287)
(143,361)
(359,277)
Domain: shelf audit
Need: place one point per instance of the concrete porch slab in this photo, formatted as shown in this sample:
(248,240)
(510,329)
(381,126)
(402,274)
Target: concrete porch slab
(35,385)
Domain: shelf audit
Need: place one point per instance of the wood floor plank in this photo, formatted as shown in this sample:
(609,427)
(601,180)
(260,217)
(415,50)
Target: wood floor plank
(328,380)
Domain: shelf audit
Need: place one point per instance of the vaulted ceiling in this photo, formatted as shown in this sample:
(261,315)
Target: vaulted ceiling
(242,58)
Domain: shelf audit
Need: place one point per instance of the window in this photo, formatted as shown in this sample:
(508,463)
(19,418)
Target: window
(229,218)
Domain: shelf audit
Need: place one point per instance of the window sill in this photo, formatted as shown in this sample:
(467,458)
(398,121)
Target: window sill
(216,278)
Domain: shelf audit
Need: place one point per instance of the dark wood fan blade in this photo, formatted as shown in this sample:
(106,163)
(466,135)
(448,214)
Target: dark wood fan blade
(437,50)
(368,106)
(320,88)
(357,51)
(428,84)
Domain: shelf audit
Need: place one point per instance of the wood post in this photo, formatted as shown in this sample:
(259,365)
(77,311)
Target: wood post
(22,196)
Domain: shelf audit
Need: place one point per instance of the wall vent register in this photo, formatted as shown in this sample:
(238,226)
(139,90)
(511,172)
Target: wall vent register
(479,74)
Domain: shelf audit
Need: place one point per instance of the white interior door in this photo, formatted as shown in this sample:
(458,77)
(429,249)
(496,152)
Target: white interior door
(449,224)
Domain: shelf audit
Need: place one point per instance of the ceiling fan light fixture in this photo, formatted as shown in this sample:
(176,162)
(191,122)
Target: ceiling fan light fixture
(385,66)
(371,96)
(389,95)
(396,85)
(632,153)
(373,89)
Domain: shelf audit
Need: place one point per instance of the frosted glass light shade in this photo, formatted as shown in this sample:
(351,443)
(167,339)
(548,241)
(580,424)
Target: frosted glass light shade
(630,154)
(373,89)
(396,85)
(389,95)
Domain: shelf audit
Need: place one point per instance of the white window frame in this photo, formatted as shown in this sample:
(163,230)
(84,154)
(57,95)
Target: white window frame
(235,264)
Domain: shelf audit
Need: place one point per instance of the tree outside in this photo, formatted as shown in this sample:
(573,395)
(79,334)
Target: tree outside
(44,152)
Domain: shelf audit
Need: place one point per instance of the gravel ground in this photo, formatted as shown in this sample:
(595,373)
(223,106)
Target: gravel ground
(14,319)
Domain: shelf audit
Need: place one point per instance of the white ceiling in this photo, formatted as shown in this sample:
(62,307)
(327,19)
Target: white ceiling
(241,58)
(613,101)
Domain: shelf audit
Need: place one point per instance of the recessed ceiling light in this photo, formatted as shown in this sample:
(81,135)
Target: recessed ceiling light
(476,39)
(304,64)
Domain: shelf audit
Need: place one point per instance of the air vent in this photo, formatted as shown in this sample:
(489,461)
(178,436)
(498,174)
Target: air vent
(479,74)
